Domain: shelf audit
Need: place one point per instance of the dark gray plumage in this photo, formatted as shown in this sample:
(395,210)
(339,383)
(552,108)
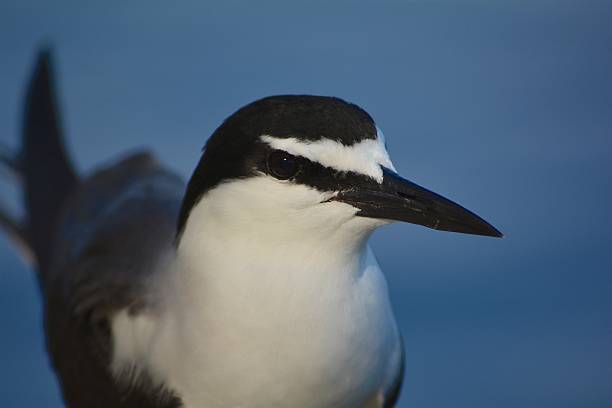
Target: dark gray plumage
(94,241)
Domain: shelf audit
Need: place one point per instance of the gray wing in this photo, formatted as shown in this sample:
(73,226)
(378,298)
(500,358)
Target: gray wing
(112,233)
(94,242)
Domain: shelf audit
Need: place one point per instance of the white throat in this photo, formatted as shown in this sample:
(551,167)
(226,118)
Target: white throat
(283,297)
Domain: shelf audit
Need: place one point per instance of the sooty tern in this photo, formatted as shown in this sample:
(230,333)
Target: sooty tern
(254,287)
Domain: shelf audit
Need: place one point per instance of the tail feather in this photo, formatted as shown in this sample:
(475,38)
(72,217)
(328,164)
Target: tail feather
(47,175)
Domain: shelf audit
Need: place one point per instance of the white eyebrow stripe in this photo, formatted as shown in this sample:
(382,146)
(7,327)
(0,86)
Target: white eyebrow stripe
(364,157)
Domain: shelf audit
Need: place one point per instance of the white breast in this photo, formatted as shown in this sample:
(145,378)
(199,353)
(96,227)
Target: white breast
(326,344)
(274,314)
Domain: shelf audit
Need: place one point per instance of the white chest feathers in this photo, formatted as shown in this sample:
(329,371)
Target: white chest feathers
(279,314)
(332,344)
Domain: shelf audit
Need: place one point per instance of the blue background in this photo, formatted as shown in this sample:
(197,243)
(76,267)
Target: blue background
(503,106)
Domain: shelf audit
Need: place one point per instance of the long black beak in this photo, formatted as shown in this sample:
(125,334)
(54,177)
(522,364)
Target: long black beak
(399,199)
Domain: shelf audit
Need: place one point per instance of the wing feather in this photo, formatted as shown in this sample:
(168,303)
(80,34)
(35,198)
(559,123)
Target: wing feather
(114,231)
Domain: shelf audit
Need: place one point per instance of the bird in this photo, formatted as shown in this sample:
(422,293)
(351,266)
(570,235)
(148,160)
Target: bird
(251,285)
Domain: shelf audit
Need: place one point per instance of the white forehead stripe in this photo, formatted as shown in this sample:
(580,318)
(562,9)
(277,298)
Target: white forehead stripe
(364,157)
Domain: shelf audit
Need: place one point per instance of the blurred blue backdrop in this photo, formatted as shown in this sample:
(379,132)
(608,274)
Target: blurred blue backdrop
(504,106)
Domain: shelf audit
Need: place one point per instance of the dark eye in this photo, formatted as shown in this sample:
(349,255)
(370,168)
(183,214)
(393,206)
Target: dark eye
(282,165)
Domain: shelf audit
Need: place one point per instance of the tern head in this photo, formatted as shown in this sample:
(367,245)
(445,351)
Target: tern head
(293,164)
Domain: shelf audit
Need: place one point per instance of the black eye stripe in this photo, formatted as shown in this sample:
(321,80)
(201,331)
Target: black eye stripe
(318,176)
(329,179)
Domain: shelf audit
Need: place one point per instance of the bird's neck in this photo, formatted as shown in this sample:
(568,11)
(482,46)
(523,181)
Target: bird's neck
(215,257)
(253,304)
(230,243)
(240,268)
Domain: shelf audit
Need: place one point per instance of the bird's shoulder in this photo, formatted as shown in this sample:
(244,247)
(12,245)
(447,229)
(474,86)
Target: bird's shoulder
(114,229)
